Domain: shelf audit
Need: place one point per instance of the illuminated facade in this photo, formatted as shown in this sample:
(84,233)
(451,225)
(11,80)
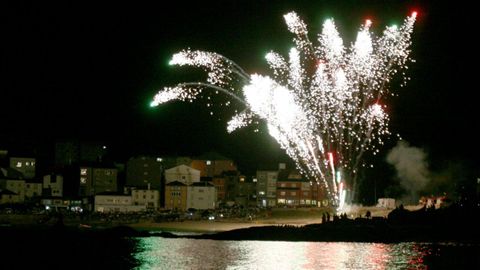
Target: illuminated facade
(183,174)
(201,195)
(176,196)
(116,203)
(149,198)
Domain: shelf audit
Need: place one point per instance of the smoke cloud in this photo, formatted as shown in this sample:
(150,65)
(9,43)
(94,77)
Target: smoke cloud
(412,168)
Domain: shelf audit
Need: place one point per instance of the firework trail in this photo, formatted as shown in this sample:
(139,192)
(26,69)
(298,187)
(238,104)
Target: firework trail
(323,104)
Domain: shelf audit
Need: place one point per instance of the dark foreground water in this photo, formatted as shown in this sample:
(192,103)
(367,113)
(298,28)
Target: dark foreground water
(67,250)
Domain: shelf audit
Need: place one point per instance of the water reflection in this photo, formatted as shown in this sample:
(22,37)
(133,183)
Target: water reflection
(160,253)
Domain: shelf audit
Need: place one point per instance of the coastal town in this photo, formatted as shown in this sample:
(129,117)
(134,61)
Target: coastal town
(84,189)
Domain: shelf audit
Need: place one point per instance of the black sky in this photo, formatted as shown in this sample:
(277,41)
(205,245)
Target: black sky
(88,70)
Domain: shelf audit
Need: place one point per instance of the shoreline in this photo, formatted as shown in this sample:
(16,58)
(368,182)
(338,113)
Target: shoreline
(213,226)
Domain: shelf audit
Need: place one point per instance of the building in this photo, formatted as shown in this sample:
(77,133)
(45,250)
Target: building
(201,195)
(212,164)
(33,190)
(24,165)
(116,203)
(145,171)
(97,180)
(267,188)
(245,192)
(17,187)
(7,197)
(73,152)
(294,190)
(219,183)
(183,174)
(176,196)
(150,198)
(53,185)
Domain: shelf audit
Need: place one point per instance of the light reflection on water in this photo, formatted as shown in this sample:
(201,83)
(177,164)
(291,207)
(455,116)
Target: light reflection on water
(162,253)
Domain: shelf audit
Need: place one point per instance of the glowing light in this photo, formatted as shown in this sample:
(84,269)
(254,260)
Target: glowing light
(321,103)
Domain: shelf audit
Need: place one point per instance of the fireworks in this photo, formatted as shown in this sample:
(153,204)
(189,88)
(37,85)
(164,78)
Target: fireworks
(323,105)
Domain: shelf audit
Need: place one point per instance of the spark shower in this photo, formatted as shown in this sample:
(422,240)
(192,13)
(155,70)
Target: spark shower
(324,104)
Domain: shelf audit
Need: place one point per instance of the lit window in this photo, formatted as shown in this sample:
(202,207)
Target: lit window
(282,193)
(254,180)
(19,164)
(159,159)
(242,179)
(83,171)
(83,180)
(27,163)
(261,193)
(208,162)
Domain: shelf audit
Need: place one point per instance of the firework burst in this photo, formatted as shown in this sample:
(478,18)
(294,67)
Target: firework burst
(323,104)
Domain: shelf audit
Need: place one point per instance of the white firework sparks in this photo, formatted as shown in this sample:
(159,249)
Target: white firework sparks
(322,105)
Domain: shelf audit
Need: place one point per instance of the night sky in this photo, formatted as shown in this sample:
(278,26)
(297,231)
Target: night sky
(88,71)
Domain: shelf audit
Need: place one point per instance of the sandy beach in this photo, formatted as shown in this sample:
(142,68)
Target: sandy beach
(217,226)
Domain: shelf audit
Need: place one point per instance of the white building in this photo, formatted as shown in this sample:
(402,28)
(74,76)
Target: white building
(116,203)
(201,195)
(149,198)
(183,174)
(53,183)
(24,165)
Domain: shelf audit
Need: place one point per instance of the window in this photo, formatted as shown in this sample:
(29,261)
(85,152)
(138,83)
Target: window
(83,171)
(293,193)
(208,162)
(282,193)
(282,184)
(19,164)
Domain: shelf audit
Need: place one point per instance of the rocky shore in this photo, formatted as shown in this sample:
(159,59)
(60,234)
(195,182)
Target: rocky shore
(453,224)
